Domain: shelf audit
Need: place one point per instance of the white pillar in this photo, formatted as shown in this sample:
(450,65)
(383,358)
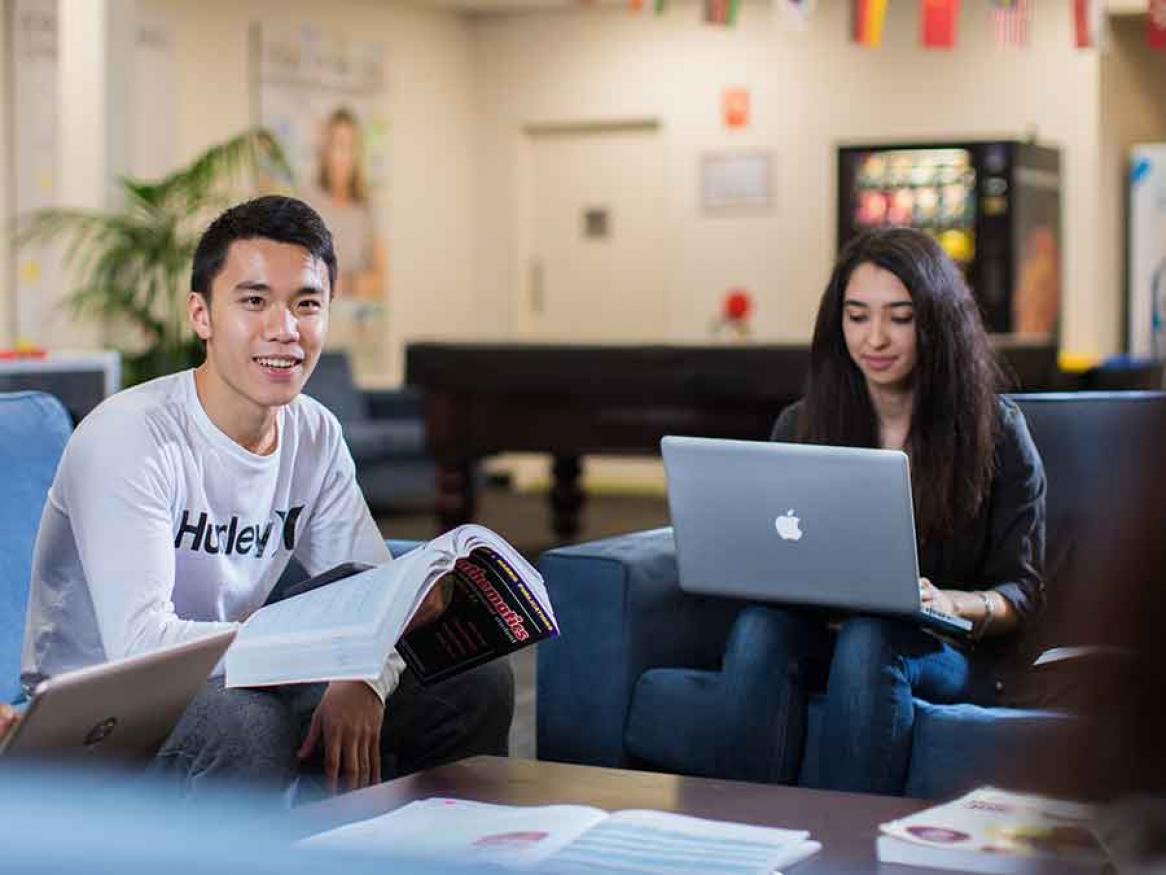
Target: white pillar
(95,100)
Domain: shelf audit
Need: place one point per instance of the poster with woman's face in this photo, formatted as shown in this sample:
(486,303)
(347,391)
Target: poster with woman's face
(324,98)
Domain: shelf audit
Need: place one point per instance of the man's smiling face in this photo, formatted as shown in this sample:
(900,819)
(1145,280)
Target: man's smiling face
(266,321)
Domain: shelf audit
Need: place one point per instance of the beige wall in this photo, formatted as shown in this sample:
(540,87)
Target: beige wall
(809,92)
(430,105)
(461,88)
(1133,110)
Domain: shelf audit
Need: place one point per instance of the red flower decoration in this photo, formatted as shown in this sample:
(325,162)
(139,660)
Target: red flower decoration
(737,305)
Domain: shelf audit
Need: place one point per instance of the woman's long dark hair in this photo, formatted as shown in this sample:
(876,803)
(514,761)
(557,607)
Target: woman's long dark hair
(954,419)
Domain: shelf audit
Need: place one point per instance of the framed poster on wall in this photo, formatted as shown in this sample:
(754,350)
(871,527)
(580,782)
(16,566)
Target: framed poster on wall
(324,98)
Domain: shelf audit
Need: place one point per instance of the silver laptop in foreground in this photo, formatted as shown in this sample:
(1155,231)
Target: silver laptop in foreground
(122,709)
(798,524)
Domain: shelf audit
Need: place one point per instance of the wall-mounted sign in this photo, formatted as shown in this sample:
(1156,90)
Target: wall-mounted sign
(735,179)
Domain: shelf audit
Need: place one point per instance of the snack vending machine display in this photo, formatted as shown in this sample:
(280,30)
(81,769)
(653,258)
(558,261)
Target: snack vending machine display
(995,208)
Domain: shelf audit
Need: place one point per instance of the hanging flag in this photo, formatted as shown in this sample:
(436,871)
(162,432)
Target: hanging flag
(660,4)
(938,21)
(794,14)
(721,11)
(636,5)
(1011,21)
(869,16)
(1089,23)
(1156,25)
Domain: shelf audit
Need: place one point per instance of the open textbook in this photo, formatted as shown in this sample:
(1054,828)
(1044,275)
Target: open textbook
(570,838)
(497,604)
(991,830)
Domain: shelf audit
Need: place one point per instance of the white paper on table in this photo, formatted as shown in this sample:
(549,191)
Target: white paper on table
(467,832)
(570,838)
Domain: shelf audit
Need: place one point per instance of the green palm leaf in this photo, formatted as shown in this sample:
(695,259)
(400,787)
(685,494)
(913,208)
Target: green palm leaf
(132,266)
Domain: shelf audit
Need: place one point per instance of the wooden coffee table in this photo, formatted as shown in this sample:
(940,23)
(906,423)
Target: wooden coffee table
(845,823)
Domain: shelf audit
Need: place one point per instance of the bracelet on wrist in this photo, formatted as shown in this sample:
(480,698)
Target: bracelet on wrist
(989,612)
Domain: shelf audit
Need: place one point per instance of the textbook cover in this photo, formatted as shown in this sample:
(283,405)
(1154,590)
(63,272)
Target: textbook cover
(342,624)
(991,830)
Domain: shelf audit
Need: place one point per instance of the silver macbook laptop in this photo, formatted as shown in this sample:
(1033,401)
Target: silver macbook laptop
(797,523)
(122,709)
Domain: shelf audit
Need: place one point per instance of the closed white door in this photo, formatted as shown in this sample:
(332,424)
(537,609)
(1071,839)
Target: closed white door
(596,215)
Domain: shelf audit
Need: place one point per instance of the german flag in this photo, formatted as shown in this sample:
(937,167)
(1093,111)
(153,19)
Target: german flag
(721,11)
(868,22)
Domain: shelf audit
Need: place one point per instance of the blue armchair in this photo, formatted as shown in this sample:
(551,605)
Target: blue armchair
(34,428)
(385,431)
(634,680)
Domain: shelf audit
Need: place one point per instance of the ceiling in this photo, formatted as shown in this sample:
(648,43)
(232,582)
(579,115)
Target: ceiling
(487,7)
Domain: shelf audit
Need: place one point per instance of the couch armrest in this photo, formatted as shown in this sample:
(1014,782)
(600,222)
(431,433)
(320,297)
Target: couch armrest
(620,612)
(403,403)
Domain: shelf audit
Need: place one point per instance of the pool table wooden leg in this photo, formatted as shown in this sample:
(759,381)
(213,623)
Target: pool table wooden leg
(456,501)
(566,497)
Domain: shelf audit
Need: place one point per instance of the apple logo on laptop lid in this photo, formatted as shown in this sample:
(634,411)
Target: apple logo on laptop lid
(787,526)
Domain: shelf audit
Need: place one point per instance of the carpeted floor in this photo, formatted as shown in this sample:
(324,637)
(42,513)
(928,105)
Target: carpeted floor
(523,518)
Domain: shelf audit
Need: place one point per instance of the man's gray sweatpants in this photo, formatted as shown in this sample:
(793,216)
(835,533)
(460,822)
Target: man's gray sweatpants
(251,736)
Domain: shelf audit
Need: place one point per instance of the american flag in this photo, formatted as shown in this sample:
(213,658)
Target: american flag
(794,14)
(1011,21)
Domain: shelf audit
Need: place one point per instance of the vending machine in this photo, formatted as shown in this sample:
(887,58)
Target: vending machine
(1146,252)
(995,208)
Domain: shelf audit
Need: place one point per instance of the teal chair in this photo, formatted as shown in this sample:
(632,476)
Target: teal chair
(34,428)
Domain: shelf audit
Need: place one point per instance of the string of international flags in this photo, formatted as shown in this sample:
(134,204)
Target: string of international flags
(1011,21)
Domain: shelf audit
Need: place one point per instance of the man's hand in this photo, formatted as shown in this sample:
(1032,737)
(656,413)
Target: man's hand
(348,721)
(9,717)
(433,605)
(938,599)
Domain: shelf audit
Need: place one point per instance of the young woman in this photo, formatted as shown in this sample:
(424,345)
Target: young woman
(899,360)
(342,200)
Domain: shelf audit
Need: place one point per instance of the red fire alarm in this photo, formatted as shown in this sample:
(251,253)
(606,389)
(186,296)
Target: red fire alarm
(735,107)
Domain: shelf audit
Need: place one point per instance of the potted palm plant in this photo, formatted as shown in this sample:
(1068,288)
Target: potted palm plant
(131,266)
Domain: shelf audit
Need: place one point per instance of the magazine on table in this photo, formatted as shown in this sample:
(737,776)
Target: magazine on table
(569,838)
(992,830)
(495,600)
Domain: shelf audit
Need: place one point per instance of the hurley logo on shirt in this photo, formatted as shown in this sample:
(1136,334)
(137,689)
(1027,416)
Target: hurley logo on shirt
(233,538)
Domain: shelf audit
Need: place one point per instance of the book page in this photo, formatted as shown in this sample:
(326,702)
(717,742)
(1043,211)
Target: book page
(351,605)
(660,842)
(474,833)
(329,633)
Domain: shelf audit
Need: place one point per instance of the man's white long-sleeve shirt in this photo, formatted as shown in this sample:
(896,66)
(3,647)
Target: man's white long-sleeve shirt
(160,528)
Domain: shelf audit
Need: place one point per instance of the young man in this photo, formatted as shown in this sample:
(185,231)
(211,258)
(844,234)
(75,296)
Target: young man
(178,504)
(8,718)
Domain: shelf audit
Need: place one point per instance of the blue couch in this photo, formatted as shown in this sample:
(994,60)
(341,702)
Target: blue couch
(635,678)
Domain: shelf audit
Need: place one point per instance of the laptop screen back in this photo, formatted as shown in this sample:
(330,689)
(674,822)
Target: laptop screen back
(793,523)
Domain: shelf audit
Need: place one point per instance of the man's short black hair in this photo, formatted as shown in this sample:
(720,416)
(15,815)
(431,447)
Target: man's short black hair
(272,217)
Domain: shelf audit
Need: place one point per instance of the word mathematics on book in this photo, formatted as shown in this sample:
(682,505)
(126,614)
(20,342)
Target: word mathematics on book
(342,624)
(569,838)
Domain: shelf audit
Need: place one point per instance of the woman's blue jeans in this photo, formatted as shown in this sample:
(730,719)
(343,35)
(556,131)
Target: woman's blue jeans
(874,668)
